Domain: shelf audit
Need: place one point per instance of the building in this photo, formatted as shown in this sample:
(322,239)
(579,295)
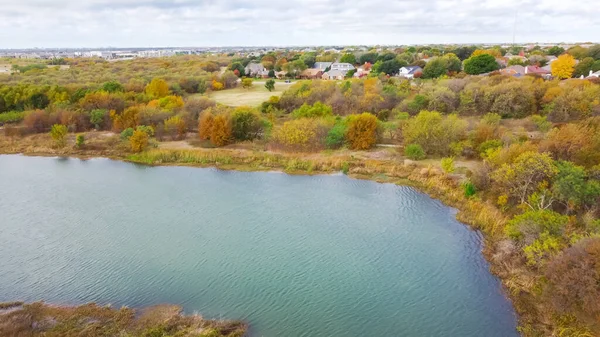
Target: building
(322,65)
(334,75)
(256,70)
(310,74)
(409,71)
(341,66)
(594,74)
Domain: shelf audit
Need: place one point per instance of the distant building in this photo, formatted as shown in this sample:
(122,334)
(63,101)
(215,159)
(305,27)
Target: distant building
(341,66)
(256,69)
(594,74)
(334,75)
(409,71)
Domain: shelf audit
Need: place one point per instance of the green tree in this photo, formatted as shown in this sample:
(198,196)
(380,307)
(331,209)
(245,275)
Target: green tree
(390,67)
(480,64)
(39,101)
(556,51)
(572,188)
(247,83)
(270,85)
(336,135)
(348,58)
(434,132)
(368,57)
(435,68)
(245,123)
(239,67)
(453,63)
(583,67)
(59,134)
(313,111)
(414,152)
(80,141)
(112,86)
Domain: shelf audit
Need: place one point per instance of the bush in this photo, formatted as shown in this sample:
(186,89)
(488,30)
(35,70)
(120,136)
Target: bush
(469,189)
(312,111)
(59,134)
(362,131)
(138,141)
(434,132)
(11,117)
(98,118)
(542,123)
(300,134)
(448,164)
(414,152)
(175,127)
(246,124)
(126,134)
(80,141)
(336,136)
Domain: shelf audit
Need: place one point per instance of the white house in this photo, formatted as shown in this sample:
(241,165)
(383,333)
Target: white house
(594,74)
(322,65)
(341,66)
(409,71)
(255,69)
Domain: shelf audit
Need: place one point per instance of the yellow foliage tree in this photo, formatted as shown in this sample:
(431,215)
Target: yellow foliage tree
(299,134)
(205,124)
(493,52)
(175,127)
(362,131)
(221,130)
(216,85)
(563,67)
(157,88)
(138,141)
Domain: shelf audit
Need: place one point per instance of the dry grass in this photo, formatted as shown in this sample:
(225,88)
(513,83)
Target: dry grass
(251,97)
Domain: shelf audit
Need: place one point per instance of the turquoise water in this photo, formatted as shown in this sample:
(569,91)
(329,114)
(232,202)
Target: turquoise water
(292,255)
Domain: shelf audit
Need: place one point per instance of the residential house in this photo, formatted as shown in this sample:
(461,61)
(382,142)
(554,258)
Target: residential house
(594,74)
(515,70)
(310,74)
(322,65)
(519,71)
(256,70)
(334,75)
(345,67)
(409,71)
(280,74)
(362,72)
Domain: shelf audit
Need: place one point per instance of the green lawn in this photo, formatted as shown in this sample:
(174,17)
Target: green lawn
(252,97)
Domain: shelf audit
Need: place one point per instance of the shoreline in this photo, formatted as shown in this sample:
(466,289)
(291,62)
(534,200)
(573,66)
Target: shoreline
(474,213)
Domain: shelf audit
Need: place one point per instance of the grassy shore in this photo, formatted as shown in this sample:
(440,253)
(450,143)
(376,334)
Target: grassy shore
(534,318)
(40,319)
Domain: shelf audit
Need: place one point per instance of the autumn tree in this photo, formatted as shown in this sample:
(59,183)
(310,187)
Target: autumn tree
(59,134)
(298,135)
(435,68)
(246,123)
(138,140)
(247,83)
(221,130)
(523,177)
(433,132)
(362,131)
(175,127)
(563,67)
(157,88)
(205,124)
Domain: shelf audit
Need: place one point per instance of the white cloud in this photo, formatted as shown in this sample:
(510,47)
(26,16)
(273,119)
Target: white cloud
(122,23)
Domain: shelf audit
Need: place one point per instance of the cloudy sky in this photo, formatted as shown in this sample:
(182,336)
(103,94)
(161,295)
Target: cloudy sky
(162,23)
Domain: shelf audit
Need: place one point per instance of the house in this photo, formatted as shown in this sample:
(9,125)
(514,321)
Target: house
(322,65)
(334,75)
(310,74)
(280,74)
(594,74)
(515,70)
(361,72)
(409,71)
(341,66)
(256,70)
(536,70)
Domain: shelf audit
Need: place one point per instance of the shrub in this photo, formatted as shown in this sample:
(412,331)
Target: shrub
(175,127)
(80,141)
(362,131)
(469,189)
(221,130)
(138,141)
(488,145)
(336,136)
(345,167)
(127,133)
(312,111)
(59,134)
(448,164)
(246,124)
(300,134)
(528,226)
(414,152)
(542,123)
(147,129)
(98,118)
(433,131)
(11,117)
(491,118)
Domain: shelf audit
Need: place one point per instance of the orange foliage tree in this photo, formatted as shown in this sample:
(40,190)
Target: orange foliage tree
(362,131)
(221,130)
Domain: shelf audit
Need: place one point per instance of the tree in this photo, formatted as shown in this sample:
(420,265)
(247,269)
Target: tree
(435,68)
(563,67)
(433,132)
(522,178)
(59,134)
(98,118)
(368,57)
(205,124)
(414,152)
(594,52)
(390,67)
(221,130)
(298,135)
(480,64)
(453,63)
(583,67)
(157,88)
(574,277)
(39,101)
(175,127)
(312,111)
(492,52)
(138,140)
(239,67)
(556,51)
(362,131)
(246,123)
(348,58)
(578,52)
(270,85)
(112,86)
(572,187)
(80,141)
(247,83)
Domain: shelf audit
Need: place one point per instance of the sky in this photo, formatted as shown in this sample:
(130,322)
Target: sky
(202,23)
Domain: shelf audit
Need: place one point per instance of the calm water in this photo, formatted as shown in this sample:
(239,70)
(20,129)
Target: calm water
(292,255)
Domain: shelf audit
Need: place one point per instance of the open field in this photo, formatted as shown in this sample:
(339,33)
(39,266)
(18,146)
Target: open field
(252,97)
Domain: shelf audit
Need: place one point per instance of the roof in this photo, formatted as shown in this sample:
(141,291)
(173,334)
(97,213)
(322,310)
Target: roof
(412,69)
(255,66)
(322,65)
(311,72)
(335,73)
(536,70)
(515,70)
(344,66)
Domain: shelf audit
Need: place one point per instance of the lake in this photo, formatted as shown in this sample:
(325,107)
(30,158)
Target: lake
(292,255)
